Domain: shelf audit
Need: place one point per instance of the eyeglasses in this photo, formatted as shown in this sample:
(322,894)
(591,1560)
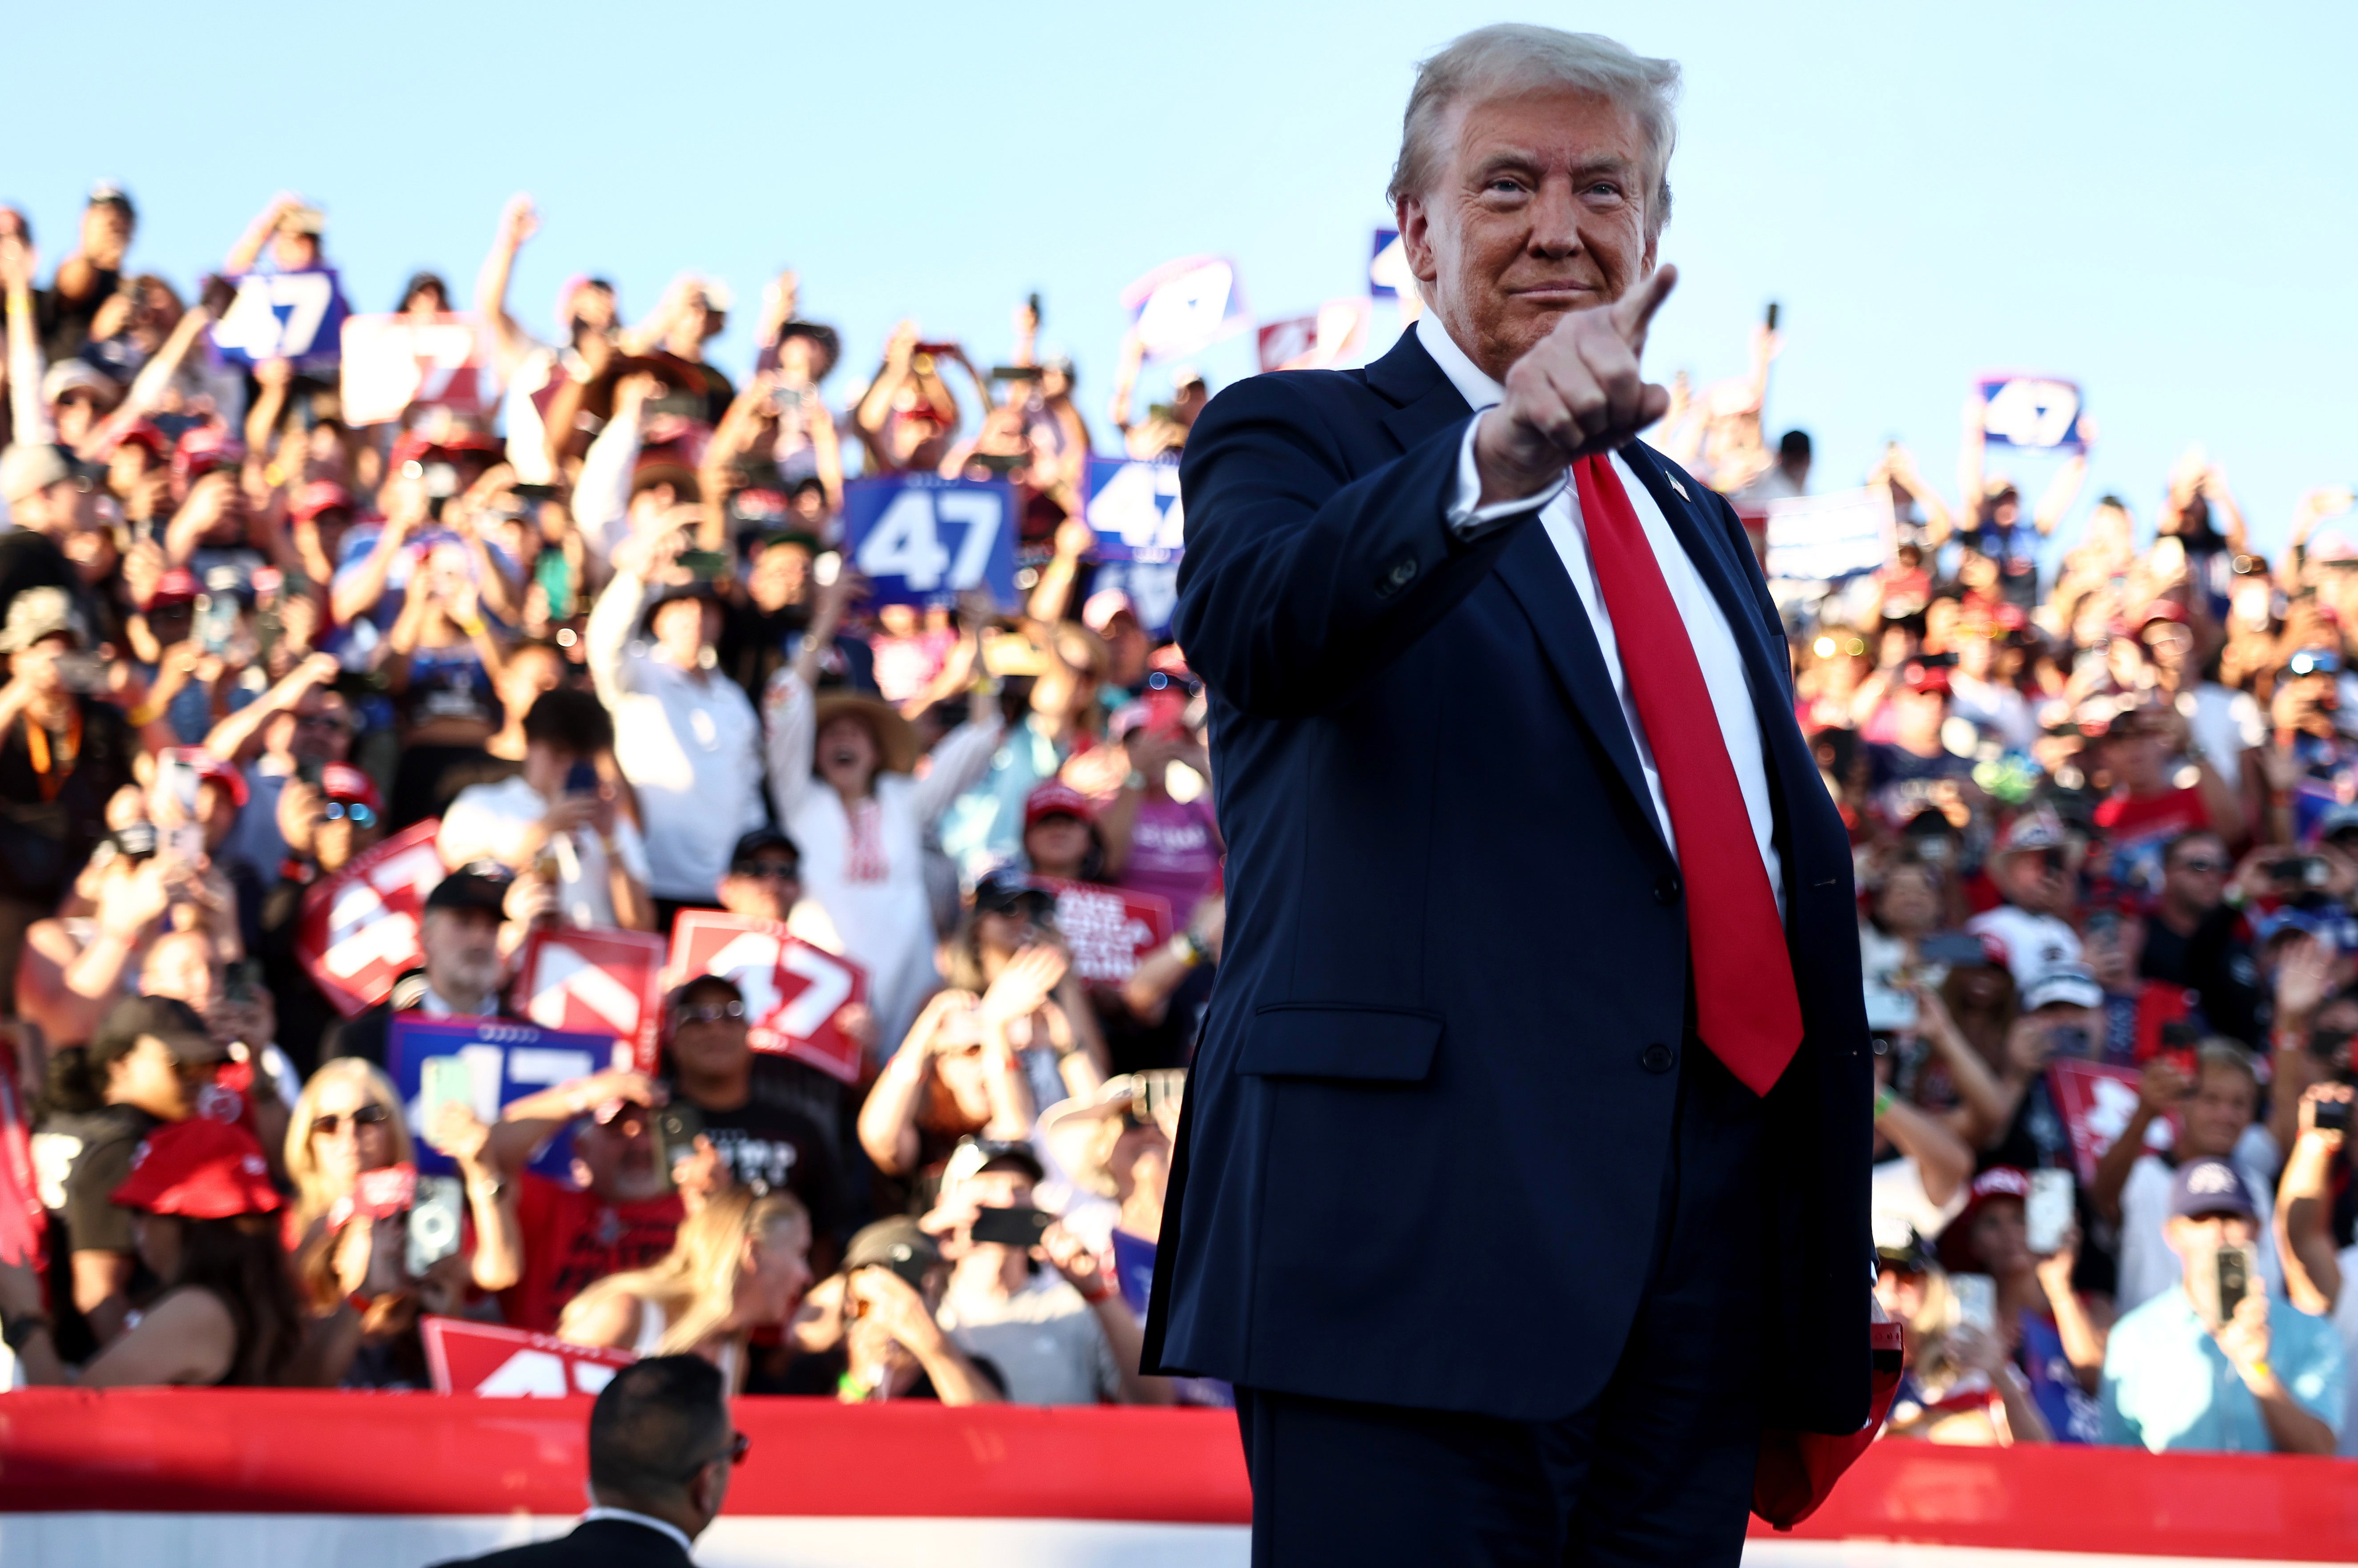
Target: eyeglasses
(2203,868)
(319,721)
(350,811)
(768,870)
(709,1012)
(366,1116)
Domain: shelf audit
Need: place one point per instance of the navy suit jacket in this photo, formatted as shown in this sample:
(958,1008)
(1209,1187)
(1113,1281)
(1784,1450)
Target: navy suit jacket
(1422,1144)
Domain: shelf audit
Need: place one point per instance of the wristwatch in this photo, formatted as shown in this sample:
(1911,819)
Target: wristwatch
(1188,948)
(15,1331)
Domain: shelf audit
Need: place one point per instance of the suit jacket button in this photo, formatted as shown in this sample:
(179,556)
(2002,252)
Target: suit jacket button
(1666,888)
(1657,1058)
(1403,571)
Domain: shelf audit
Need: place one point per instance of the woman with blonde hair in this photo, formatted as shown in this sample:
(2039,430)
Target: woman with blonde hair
(348,1120)
(739,1262)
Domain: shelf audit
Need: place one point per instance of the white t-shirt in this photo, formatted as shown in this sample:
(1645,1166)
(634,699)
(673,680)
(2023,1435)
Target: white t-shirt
(1044,1340)
(1897,1200)
(2225,724)
(490,820)
(2148,1266)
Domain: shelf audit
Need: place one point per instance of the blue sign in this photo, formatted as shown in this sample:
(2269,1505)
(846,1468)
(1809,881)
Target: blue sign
(296,316)
(1153,590)
(489,1063)
(1387,266)
(2037,412)
(1134,508)
(923,540)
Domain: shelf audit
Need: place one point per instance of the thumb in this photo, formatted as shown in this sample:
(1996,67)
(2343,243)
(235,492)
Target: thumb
(1634,311)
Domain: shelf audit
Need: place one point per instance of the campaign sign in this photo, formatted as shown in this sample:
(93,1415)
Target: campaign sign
(595,980)
(1109,929)
(1387,274)
(925,540)
(23,1222)
(793,990)
(359,927)
(1320,341)
(2096,1101)
(504,1062)
(296,316)
(392,361)
(1825,537)
(1283,342)
(1152,587)
(1134,509)
(2034,411)
(1185,306)
(499,1362)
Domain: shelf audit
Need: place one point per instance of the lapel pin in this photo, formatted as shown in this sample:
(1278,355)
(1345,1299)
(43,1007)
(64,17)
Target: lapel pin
(1679,487)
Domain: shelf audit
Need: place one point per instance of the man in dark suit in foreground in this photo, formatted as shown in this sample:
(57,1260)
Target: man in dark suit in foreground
(1523,1182)
(660,1455)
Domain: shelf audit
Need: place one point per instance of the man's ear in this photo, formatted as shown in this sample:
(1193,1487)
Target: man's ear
(1416,238)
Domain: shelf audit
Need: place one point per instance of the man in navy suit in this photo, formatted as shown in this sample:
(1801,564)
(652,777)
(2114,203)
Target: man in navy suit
(1523,1182)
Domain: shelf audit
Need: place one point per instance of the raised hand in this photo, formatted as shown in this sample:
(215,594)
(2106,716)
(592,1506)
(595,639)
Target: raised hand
(1576,392)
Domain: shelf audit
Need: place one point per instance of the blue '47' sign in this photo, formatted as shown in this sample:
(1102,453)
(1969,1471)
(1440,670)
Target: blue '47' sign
(923,540)
(1134,509)
(484,1064)
(296,316)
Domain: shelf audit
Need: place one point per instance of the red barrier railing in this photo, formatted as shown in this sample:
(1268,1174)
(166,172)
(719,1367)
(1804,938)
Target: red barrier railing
(185,1450)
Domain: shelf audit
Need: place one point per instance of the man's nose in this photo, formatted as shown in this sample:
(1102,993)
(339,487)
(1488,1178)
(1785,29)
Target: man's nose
(1555,220)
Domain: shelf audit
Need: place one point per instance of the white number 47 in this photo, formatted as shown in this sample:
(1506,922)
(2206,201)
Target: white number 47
(906,541)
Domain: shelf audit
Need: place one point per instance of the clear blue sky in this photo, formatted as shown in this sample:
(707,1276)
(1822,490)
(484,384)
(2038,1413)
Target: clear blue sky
(2159,199)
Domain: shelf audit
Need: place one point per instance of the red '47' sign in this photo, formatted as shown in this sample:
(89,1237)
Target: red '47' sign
(2096,1102)
(595,980)
(497,1362)
(1111,929)
(358,931)
(793,990)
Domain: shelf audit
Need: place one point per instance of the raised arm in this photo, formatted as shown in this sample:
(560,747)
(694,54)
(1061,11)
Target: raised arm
(235,738)
(243,255)
(518,223)
(2304,1216)
(30,415)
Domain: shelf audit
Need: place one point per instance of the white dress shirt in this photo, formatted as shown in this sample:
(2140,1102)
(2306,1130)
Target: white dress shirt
(1706,623)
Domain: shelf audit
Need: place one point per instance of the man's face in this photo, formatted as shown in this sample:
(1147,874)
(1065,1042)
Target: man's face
(105,233)
(159,1081)
(618,1156)
(462,951)
(781,577)
(1539,210)
(530,672)
(182,965)
(322,728)
(764,886)
(680,625)
(2195,875)
(706,1045)
(2218,1111)
(2137,756)
(2195,1238)
(295,251)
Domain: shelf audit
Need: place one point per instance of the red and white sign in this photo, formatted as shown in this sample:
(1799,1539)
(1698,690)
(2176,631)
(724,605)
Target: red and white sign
(23,1222)
(498,1362)
(392,361)
(1317,342)
(359,928)
(595,980)
(793,991)
(1109,929)
(2096,1102)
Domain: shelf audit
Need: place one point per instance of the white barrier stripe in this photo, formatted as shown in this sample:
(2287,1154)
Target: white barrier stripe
(412,1540)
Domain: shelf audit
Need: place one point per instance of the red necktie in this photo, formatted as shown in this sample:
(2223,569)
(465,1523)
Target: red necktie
(1745,1008)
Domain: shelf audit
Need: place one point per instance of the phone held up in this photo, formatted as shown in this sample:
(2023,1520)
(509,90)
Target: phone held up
(2047,1212)
(1010,1227)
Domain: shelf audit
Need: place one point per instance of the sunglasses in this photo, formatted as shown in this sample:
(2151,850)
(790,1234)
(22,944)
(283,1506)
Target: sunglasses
(319,721)
(352,811)
(709,1012)
(366,1116)
(738,1446)
(767,871)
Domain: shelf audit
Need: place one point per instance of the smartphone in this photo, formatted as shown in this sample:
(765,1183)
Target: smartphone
(1010,1227)
(1977,1301)
(1958,949)
(1001,462)
(581,778)
(442,1080)
(216,621)
(685,405)
(2220,1286)
(310,771)
(1889,1009)
(83,673)
(1772,315)
(383,1192)
(677,1127)
(2071,1043)
(1015,372)
(2047,1214)
(2331,1115)
(434,1215)
(2102,926)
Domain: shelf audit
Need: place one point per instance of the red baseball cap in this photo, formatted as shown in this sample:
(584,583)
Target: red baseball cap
(145,433)
(178,586)
(199,1169)
(1057,799)
(341,781)
(202,448)
(320,495)
(1997,1182)
(212,769)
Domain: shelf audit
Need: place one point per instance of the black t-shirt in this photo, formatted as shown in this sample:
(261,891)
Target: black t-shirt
(772,1142)
(46,834)
(81,1157)
(2214,962)
(64,325)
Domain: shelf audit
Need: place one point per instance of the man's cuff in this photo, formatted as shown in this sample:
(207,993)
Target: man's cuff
(1468,519)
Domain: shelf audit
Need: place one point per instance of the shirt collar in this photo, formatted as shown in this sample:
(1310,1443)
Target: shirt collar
(627,1517)
(1478,389)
